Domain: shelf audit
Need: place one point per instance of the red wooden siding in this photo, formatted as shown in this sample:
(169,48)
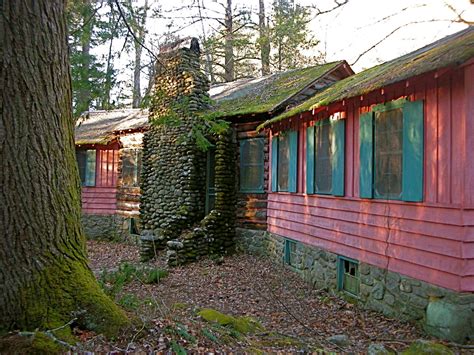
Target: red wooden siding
(102,198)
(252,207)
(431,241)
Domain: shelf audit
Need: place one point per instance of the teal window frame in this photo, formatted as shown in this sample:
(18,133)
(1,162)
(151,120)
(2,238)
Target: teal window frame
(88,171)
(244,144)
(343,276)
(289,254)
(292,137)
(412,151)
(337,143)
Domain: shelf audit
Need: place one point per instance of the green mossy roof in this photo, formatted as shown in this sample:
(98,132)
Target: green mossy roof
(264,94)
(452,50)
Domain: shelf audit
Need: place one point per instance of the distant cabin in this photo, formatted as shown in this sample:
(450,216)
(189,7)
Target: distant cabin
(108,152)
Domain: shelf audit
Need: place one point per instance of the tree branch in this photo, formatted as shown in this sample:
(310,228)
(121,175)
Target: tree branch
(391,34)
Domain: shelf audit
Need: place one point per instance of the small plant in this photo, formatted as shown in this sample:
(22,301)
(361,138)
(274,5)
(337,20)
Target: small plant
(155,275)
(208,334)
(113,282)
(183,333)
(178,348)
(129,301)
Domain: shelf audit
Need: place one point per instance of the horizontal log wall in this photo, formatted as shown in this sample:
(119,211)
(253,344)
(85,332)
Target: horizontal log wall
(432,241)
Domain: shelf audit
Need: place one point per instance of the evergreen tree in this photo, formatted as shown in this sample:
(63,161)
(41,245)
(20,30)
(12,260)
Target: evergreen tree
(290,36)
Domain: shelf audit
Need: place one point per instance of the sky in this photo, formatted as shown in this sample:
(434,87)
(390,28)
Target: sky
(345,33)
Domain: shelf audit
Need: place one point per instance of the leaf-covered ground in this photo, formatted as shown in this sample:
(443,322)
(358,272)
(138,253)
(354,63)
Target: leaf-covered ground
(294,317)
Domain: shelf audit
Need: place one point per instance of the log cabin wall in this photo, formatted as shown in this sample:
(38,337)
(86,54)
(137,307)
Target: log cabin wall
(431,240)
(252,207)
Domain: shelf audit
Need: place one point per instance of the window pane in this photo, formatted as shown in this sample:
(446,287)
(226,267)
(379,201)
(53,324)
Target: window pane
(81,158)
(283,162)
(90,167)
(323,158)
(252,164)
(388,153)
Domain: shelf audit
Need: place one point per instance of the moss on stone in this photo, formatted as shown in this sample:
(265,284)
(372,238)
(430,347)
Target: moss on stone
(211,315)
(421,347)
(244,325)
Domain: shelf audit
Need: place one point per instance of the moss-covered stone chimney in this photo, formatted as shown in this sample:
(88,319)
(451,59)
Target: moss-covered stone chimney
(173,175)
(174,183)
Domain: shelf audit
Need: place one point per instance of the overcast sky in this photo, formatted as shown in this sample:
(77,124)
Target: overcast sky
(348,31)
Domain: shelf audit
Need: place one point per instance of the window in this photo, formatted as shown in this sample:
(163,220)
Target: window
(252,165)
(86,161)
(325,157)
(391,151)
(348,278)
(283,173)
(284,161)
(131,167)
(290,252)
(388,153)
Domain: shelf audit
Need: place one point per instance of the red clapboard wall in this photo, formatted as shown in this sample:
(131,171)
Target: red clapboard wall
(102,198)
(432,240)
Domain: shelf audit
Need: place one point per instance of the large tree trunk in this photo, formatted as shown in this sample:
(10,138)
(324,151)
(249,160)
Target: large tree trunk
(264,39)
(229,43)
(44,277)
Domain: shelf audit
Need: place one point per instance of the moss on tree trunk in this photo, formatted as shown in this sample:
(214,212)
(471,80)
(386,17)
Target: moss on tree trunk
(44,277)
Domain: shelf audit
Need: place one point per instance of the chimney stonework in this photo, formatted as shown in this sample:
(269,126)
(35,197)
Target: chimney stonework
(173,180)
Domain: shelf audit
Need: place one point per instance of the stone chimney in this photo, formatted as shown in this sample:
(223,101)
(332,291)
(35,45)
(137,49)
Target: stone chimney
(173,184)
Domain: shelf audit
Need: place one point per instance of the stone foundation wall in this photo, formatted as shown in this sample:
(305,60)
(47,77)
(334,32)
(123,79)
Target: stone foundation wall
(109,227)
(442,312)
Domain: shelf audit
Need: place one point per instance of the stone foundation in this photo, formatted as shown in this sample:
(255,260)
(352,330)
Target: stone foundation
(108,227)
(442,312)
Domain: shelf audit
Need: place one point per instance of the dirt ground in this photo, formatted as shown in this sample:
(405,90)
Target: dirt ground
(293,316)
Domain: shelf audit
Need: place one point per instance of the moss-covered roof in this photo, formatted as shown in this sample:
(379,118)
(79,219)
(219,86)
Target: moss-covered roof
(101,127)
(451,50)
(254,96)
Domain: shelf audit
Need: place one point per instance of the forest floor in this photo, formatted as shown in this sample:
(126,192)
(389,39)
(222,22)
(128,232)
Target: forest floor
(286,314)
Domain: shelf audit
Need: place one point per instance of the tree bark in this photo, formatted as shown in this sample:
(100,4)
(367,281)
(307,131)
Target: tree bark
(229,43)
(44,275)
(264,39)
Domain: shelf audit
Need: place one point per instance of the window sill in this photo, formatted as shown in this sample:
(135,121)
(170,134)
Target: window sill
(252,191)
